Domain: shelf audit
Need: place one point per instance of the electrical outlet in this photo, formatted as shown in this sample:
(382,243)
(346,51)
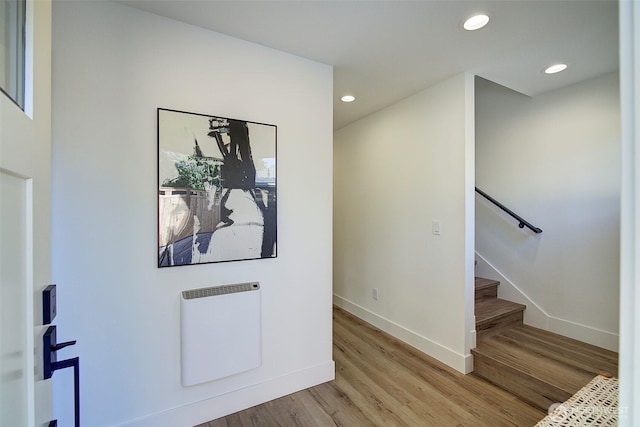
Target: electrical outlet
(374,294)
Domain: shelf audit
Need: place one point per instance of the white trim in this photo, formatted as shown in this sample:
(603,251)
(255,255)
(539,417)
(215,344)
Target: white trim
(445,355)
(584,333)
(237,400)
(29,55)
(30,299)
(469,212)
(629,19)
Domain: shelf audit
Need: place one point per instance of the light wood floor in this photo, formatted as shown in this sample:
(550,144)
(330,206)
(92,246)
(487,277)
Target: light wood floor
(383,382)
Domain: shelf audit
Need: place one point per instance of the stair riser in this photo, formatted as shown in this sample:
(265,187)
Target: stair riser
(490,292)
(529,389)
(496,325)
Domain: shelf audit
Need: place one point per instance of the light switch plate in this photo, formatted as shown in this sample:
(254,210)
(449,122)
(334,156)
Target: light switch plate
(436,227)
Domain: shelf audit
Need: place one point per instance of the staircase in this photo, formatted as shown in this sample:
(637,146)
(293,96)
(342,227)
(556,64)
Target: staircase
(540,367)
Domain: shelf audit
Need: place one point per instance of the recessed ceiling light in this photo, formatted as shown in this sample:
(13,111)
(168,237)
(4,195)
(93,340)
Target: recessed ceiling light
(555,68)
(476,22)
(348,98)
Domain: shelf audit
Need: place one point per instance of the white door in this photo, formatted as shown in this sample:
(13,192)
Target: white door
(25,398)
(14,330)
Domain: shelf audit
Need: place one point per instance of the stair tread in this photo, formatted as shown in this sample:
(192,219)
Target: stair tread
(558,361)
(577,349)
(490,309)
(481,283)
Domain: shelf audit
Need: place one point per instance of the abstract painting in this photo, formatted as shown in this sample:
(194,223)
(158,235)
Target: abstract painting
(217,198)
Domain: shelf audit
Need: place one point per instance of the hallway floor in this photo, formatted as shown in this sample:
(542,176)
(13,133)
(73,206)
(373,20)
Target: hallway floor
(381,381)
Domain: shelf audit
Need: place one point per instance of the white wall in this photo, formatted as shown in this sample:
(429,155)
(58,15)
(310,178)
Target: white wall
(113,66)
(395,172)
(554,159)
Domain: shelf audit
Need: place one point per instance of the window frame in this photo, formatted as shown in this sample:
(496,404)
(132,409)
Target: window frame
(13,83)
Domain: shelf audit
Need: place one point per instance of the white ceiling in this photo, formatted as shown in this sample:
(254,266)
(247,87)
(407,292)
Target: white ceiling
(384,51)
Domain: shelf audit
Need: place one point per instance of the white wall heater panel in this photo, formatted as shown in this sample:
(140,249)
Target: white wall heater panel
(221,332)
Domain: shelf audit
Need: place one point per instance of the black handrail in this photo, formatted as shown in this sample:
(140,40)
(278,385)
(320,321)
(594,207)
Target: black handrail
(521,221)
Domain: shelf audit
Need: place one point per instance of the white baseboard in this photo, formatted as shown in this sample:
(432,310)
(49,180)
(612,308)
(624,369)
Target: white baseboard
(445,355)
(234,401)
(537,317)
(584,333)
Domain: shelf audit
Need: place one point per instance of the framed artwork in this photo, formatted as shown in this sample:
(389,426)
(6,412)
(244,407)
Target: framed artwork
(217,193)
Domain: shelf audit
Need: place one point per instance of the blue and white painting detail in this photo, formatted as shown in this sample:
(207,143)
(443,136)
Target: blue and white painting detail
(217,194)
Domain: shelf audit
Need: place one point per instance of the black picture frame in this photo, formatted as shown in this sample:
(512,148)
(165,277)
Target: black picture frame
(217,189)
